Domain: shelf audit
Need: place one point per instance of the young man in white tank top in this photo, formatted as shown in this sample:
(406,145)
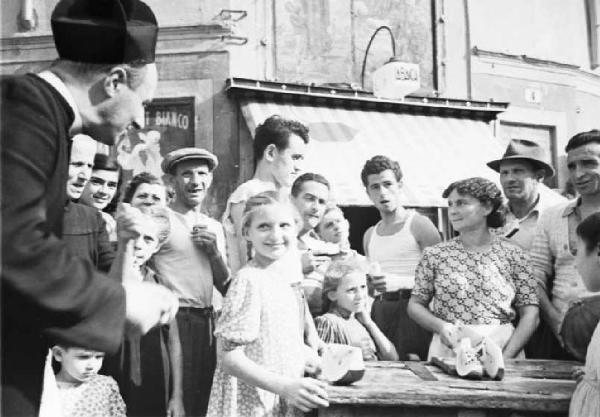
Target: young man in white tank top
(396,244)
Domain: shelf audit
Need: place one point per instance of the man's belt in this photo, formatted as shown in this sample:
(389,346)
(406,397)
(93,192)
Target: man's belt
(396,295)
(201,311)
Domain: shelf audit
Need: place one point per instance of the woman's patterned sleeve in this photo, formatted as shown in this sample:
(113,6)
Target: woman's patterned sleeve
(523,278)
(425,276)
(329,331)
(239,323)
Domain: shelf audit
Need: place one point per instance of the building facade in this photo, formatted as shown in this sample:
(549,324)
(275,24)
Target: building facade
(541,56)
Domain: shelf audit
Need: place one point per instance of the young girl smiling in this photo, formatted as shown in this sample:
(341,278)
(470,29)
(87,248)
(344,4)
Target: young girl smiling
(260,361)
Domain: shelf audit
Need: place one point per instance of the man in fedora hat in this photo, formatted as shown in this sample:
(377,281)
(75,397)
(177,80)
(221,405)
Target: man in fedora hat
(522,168)
(191,263)
(104,76)
(554,246)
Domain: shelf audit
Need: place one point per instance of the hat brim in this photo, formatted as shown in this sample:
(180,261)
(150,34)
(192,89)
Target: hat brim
(548,170)
(212,163)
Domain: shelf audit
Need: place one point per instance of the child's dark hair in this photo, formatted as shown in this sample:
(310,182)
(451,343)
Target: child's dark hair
(589,231)
(583,138)
(108,163)
(378,164)
(136,181)
(276,130)
(486,192)
(306,177)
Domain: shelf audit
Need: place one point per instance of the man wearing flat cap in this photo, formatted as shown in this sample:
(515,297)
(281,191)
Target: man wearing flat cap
(522,168)
(99,85)
(191,263)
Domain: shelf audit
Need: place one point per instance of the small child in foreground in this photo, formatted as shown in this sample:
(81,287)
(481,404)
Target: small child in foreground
(82,392)
(347,320)
(586,398)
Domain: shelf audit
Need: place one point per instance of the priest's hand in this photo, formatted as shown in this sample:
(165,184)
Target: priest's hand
(148,305)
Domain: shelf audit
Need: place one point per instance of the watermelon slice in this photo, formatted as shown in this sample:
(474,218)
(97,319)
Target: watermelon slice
(342,364)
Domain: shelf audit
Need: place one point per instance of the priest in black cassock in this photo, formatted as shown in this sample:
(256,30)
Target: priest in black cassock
(104,76)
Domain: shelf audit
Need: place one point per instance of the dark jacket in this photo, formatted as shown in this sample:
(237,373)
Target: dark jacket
(84,232)
(46,291)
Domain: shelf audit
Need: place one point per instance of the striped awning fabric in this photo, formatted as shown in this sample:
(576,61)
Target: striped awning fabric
(433,151)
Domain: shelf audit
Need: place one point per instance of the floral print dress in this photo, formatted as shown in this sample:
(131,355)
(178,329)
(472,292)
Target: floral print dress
(481,289)
(98,397)
(260,315)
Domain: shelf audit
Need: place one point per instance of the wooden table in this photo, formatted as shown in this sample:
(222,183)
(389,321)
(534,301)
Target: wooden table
(529,388)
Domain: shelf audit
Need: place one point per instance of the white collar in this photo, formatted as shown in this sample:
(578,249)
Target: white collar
(62,89)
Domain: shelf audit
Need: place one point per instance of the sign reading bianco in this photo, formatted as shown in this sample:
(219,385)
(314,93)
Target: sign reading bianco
(169,118)
(169,125)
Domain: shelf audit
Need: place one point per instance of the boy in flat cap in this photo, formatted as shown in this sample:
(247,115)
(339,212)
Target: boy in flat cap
(191,263)
(99,85)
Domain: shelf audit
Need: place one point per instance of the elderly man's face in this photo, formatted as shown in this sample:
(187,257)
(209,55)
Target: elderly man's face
(519,179)
(80,167)
(191,180)
(124,108)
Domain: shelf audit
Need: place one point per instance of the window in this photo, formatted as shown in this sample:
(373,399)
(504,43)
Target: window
(593,26)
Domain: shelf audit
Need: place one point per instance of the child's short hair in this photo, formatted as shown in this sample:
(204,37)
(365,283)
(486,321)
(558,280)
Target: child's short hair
(334,274)
(589,231)
(378,164)
(276,130)
(306,177)
(160,217)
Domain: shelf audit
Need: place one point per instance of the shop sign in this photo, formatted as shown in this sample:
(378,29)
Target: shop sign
(169,125)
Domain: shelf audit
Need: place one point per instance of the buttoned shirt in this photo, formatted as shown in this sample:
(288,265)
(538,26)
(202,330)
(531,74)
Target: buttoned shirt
(522,230)
(553,255)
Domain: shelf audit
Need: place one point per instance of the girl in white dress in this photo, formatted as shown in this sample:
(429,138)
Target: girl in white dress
(586,398)
(261,353)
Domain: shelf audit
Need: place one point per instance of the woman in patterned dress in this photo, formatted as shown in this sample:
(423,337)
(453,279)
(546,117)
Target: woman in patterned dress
(260,346)
(477,279)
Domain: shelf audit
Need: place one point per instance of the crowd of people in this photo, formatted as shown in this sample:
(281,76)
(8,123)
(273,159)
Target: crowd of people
(111,292)
(282,260)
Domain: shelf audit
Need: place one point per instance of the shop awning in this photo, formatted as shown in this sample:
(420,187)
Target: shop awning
(433,149)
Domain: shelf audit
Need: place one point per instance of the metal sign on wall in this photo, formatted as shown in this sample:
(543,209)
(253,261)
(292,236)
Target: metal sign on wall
(169,125)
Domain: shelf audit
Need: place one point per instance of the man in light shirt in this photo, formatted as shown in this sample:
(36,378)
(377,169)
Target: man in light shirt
(522,169)
(190,263)
(396,244)
(554,246)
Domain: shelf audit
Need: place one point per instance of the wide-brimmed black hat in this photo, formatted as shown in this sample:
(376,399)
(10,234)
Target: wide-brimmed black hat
(104,31)
(528,150)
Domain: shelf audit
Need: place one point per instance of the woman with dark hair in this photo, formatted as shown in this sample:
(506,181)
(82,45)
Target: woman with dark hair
(145,190)
(102,190)
(476,280)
